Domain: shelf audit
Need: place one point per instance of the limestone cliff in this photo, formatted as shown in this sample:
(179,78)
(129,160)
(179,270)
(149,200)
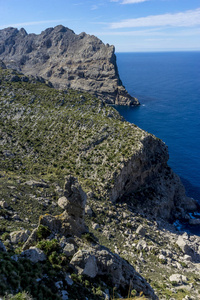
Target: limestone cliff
(81,62)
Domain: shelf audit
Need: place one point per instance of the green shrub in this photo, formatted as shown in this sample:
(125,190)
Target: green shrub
(43,232)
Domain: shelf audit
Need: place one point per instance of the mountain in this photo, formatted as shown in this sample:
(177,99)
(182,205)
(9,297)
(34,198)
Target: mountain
(81,62)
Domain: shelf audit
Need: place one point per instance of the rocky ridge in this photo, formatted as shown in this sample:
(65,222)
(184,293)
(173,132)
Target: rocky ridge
(80,62)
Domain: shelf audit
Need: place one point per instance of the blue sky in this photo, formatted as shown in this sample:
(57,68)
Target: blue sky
(129,25)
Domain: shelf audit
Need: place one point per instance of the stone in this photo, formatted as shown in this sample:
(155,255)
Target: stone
(62,202)
(100,261)
(64,295)
(194,221)
(3,204)
(68,279)
(31,239)
(88,210)
(35,183)
(178,279)
(34,254)
(20,236)
(95,226)
(141,245)
(2,247)
(69,249)
(141,230)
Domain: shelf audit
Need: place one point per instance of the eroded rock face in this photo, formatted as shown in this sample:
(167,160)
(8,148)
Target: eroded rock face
(146,177)
(71,221)
(81,62)
(100,261)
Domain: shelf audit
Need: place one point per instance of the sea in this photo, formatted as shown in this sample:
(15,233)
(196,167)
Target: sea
(167,84)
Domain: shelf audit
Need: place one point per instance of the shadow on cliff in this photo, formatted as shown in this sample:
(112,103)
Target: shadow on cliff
(191,190)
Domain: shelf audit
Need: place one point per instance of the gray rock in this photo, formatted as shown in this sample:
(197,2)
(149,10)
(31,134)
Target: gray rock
(68,279)
(69,249)
(81,62)
(19,236)
(34,254)
(3,204)
(101,261)
(141,230)
(62,202)
(178,278)
(88,210)
(95,226)
(2,247)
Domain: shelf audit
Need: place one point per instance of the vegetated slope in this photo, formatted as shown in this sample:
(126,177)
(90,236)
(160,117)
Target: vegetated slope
(81,62)
(47,134)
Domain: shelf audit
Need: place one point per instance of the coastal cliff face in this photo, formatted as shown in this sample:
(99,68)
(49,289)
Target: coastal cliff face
(80,62)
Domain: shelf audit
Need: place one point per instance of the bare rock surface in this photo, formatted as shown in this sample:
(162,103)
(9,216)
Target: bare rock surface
(68,60)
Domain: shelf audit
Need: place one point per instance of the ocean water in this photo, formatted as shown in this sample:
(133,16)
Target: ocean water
(168,88)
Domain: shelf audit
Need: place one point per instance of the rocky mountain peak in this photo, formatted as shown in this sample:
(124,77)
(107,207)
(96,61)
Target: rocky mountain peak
(82,62)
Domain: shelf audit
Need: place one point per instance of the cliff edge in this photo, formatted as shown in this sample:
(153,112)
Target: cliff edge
(81,62)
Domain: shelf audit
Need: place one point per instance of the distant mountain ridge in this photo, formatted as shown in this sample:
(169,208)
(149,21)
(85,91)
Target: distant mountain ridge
(81,62)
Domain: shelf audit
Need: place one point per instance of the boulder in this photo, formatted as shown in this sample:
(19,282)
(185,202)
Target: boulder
(99,260)
(2,247)
(20,236)
(34,254)
(69,249)
(178,279)
(3,204)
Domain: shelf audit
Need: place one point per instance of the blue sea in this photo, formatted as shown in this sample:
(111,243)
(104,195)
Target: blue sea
(167,85)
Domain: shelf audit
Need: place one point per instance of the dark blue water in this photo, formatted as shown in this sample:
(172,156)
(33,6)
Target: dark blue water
(168,88)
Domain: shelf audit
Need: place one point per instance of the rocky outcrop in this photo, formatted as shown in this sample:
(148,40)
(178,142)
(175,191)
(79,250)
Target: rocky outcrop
(71,221)
(147,178)
(100,261)
(81,62)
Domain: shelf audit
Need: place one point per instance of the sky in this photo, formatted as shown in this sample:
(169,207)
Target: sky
(129,25)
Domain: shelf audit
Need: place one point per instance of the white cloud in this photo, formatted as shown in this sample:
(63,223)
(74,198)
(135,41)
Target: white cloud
(181,19)
(31,23)
(132,1)
(129,1)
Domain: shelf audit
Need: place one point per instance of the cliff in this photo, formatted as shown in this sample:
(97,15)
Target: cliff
(81,62)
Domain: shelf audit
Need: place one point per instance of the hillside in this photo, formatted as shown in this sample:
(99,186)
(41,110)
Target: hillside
(56,144)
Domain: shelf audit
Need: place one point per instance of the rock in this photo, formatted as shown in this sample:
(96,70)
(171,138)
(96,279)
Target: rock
(141,245)
(31,239)
(141,230)
(3,204)
(80,62)
(35,183)
(68,280)
(62,202)
(95,226)
(34,254)
(19,236)
(69,249)
(2,65)
(64,295)
(76,197)
(100,261)
(91,268)
(194,221)
(71,221)
(2,247)
(88,210)
(184,245)
(178,279)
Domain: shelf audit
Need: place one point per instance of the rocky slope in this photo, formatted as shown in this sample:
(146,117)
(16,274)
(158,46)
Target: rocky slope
(81,62)
(48,139)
